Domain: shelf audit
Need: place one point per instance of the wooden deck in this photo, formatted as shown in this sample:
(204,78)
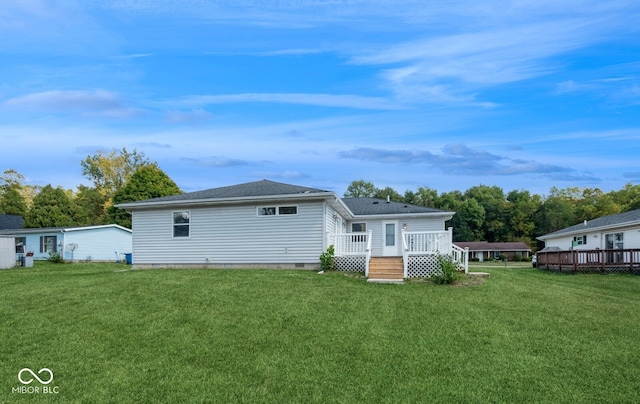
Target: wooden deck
(602,261)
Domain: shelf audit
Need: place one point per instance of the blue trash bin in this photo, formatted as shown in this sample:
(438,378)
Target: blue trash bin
(128,258)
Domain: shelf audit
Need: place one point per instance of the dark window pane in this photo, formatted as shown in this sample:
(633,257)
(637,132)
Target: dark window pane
(181,231)
(288,210)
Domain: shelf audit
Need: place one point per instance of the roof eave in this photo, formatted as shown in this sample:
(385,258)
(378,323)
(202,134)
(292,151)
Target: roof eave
(446,215)
(589,229)
(223,201)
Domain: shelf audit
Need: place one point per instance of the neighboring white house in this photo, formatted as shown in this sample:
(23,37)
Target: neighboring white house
(606,244)
(89,243)
(620,231)
(271,224)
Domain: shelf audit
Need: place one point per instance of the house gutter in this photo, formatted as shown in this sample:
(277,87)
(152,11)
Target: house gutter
(225,201)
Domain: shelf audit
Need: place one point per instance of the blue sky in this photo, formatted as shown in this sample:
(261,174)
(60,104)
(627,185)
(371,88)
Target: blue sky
(447,95)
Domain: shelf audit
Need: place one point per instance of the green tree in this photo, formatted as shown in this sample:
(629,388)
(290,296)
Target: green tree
(110,171)
(470,222)
(555,213)
(360,188)
(11,200)
(628,198)
(522,209)
(390,193)
(493,200)
(90,205)
(51,208)
(147,182)
(424,196)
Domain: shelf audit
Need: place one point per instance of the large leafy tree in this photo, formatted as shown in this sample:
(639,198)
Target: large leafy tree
(11,200)
(90,203)
(51,208)
(424,196)
(147,182)
(493,200)
(520,216)
(110,171)
(390,193)
(360,188)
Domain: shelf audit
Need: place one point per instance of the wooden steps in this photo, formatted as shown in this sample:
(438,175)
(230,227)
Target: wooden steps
(386,269)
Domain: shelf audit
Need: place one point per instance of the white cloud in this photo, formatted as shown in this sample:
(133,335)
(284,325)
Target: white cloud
(323,100)
(66,100)
(87,102)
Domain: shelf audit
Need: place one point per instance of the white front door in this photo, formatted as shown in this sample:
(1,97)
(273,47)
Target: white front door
(389,239)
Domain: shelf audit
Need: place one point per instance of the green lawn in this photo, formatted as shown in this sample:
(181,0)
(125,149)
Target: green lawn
(275,336)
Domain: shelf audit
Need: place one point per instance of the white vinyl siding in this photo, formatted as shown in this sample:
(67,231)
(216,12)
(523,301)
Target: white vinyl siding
(230,234)
(596,240)
(377,237)
(98,244)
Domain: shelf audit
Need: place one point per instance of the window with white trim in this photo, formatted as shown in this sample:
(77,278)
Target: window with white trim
(580,240)
(277,210)
(181,223)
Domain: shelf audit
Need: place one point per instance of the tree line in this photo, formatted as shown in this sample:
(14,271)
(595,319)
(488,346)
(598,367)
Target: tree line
(487,213)
(483,213)
(117,177)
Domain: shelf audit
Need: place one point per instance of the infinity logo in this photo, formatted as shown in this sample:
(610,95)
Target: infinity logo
(35,376)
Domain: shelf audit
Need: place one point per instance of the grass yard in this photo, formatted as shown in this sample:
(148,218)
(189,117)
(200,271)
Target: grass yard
(524,335)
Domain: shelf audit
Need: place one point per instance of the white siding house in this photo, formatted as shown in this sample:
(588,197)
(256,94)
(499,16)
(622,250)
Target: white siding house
(606,244)
(270,224)
(621,231)
(90,243)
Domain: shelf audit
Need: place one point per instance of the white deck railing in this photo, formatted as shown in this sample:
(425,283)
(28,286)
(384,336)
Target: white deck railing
(358,244)
(426,242)
(432,242)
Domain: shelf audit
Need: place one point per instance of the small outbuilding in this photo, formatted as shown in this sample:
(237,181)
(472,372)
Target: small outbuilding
(7,252)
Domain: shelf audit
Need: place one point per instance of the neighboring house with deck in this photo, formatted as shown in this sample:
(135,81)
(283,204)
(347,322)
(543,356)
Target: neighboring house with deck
(609,243)
(266,224)
(484,250)
(88,243)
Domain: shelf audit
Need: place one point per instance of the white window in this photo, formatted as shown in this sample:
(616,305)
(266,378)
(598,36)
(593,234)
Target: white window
(277,210)
(181,223)
(580,240)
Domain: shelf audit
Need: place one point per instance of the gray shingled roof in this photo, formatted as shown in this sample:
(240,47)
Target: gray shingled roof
(11,222)
(630,217)
(249,189)
(372,206)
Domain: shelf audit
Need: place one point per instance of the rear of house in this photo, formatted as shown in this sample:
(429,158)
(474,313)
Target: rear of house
(268,224)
